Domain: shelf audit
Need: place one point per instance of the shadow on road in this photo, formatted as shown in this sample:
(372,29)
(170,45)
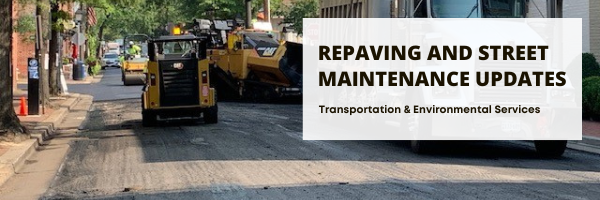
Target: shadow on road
(256,144)
(274,132)
(391,189)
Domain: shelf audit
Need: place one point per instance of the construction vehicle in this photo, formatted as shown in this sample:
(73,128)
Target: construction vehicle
(251,64)
(133,66)
(178,82)
(113,47)
(487,95)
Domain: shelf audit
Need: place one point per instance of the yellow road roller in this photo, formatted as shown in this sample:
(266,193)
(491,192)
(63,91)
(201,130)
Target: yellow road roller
(136,59)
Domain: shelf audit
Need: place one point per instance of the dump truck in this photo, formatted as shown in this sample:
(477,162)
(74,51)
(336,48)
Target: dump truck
(177,81)
(251,64)
(134,65)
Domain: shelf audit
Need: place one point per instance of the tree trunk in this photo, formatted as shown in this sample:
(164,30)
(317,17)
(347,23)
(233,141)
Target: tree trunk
(9,122)
(100,35)
(44,84)
(53,72)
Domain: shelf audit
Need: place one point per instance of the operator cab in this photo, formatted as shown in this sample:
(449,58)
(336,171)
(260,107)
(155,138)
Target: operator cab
(174,47)
(265,42)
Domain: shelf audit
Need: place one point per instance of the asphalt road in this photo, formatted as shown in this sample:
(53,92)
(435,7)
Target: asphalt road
(109,88)
(256,151)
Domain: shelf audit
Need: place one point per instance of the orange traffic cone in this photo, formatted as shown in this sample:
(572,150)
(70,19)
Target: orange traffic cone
(23,107)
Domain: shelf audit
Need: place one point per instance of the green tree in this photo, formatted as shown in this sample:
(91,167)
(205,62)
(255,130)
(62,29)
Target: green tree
(590,65)
(294,13)
(591,96)
(10,126)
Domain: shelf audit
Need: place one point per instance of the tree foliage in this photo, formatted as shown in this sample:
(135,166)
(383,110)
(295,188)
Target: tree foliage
(296,12)
(150,16)
(25,27)
(591,96)
(590,66)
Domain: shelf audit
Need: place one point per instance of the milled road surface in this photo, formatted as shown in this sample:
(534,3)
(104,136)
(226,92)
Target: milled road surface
(256,151)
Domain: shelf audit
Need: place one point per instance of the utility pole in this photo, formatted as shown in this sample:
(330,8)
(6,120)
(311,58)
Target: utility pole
(34,69)
(248,13)
(267,10)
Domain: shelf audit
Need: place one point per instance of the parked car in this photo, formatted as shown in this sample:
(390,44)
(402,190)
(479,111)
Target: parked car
(110,60)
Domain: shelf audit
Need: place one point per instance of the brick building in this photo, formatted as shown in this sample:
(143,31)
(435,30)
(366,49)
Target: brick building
(22,48)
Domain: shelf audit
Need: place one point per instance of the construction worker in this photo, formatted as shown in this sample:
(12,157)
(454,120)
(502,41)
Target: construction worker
(134,50)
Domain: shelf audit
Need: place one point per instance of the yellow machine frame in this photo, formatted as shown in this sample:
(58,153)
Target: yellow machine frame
(152,107)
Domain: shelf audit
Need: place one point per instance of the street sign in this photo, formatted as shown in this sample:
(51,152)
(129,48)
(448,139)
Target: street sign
(33,69)
(33,86)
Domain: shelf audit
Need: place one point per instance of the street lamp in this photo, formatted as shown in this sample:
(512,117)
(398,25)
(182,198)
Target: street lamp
(79,19)
(79,15)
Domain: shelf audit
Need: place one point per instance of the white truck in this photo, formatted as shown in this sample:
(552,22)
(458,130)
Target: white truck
(542,97)
(421,124)
(113,48)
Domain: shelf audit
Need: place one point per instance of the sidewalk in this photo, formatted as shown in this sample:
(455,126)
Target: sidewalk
(591,138)
(22,84)
(13,156)
(591,128)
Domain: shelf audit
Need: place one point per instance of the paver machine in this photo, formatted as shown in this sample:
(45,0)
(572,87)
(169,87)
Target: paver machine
(134,64)
(177,81)
(251,64)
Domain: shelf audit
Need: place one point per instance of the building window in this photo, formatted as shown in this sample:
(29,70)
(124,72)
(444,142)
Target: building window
(420,9)
(355,10)
(360,8)
(330,12)
(335,12)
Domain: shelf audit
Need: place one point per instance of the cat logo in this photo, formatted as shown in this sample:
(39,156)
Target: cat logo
(270,51)
(267,51)
(178,66)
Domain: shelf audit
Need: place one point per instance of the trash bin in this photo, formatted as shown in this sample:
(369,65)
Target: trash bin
(79,71)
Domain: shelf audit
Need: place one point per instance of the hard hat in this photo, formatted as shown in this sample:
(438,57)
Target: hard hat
(131,42)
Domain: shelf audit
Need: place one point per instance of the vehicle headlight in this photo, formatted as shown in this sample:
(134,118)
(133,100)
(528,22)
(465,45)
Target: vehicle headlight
(445,92)
(562,95)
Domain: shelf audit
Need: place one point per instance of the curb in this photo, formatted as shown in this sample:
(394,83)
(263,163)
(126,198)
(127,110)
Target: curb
(588,144)
(44,130)
(88,80)
(16,156)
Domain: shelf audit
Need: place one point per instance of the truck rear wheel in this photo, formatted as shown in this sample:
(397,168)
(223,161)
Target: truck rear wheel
(420,146)
(211,115)
(148,119)
(551,148)
(418,125)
